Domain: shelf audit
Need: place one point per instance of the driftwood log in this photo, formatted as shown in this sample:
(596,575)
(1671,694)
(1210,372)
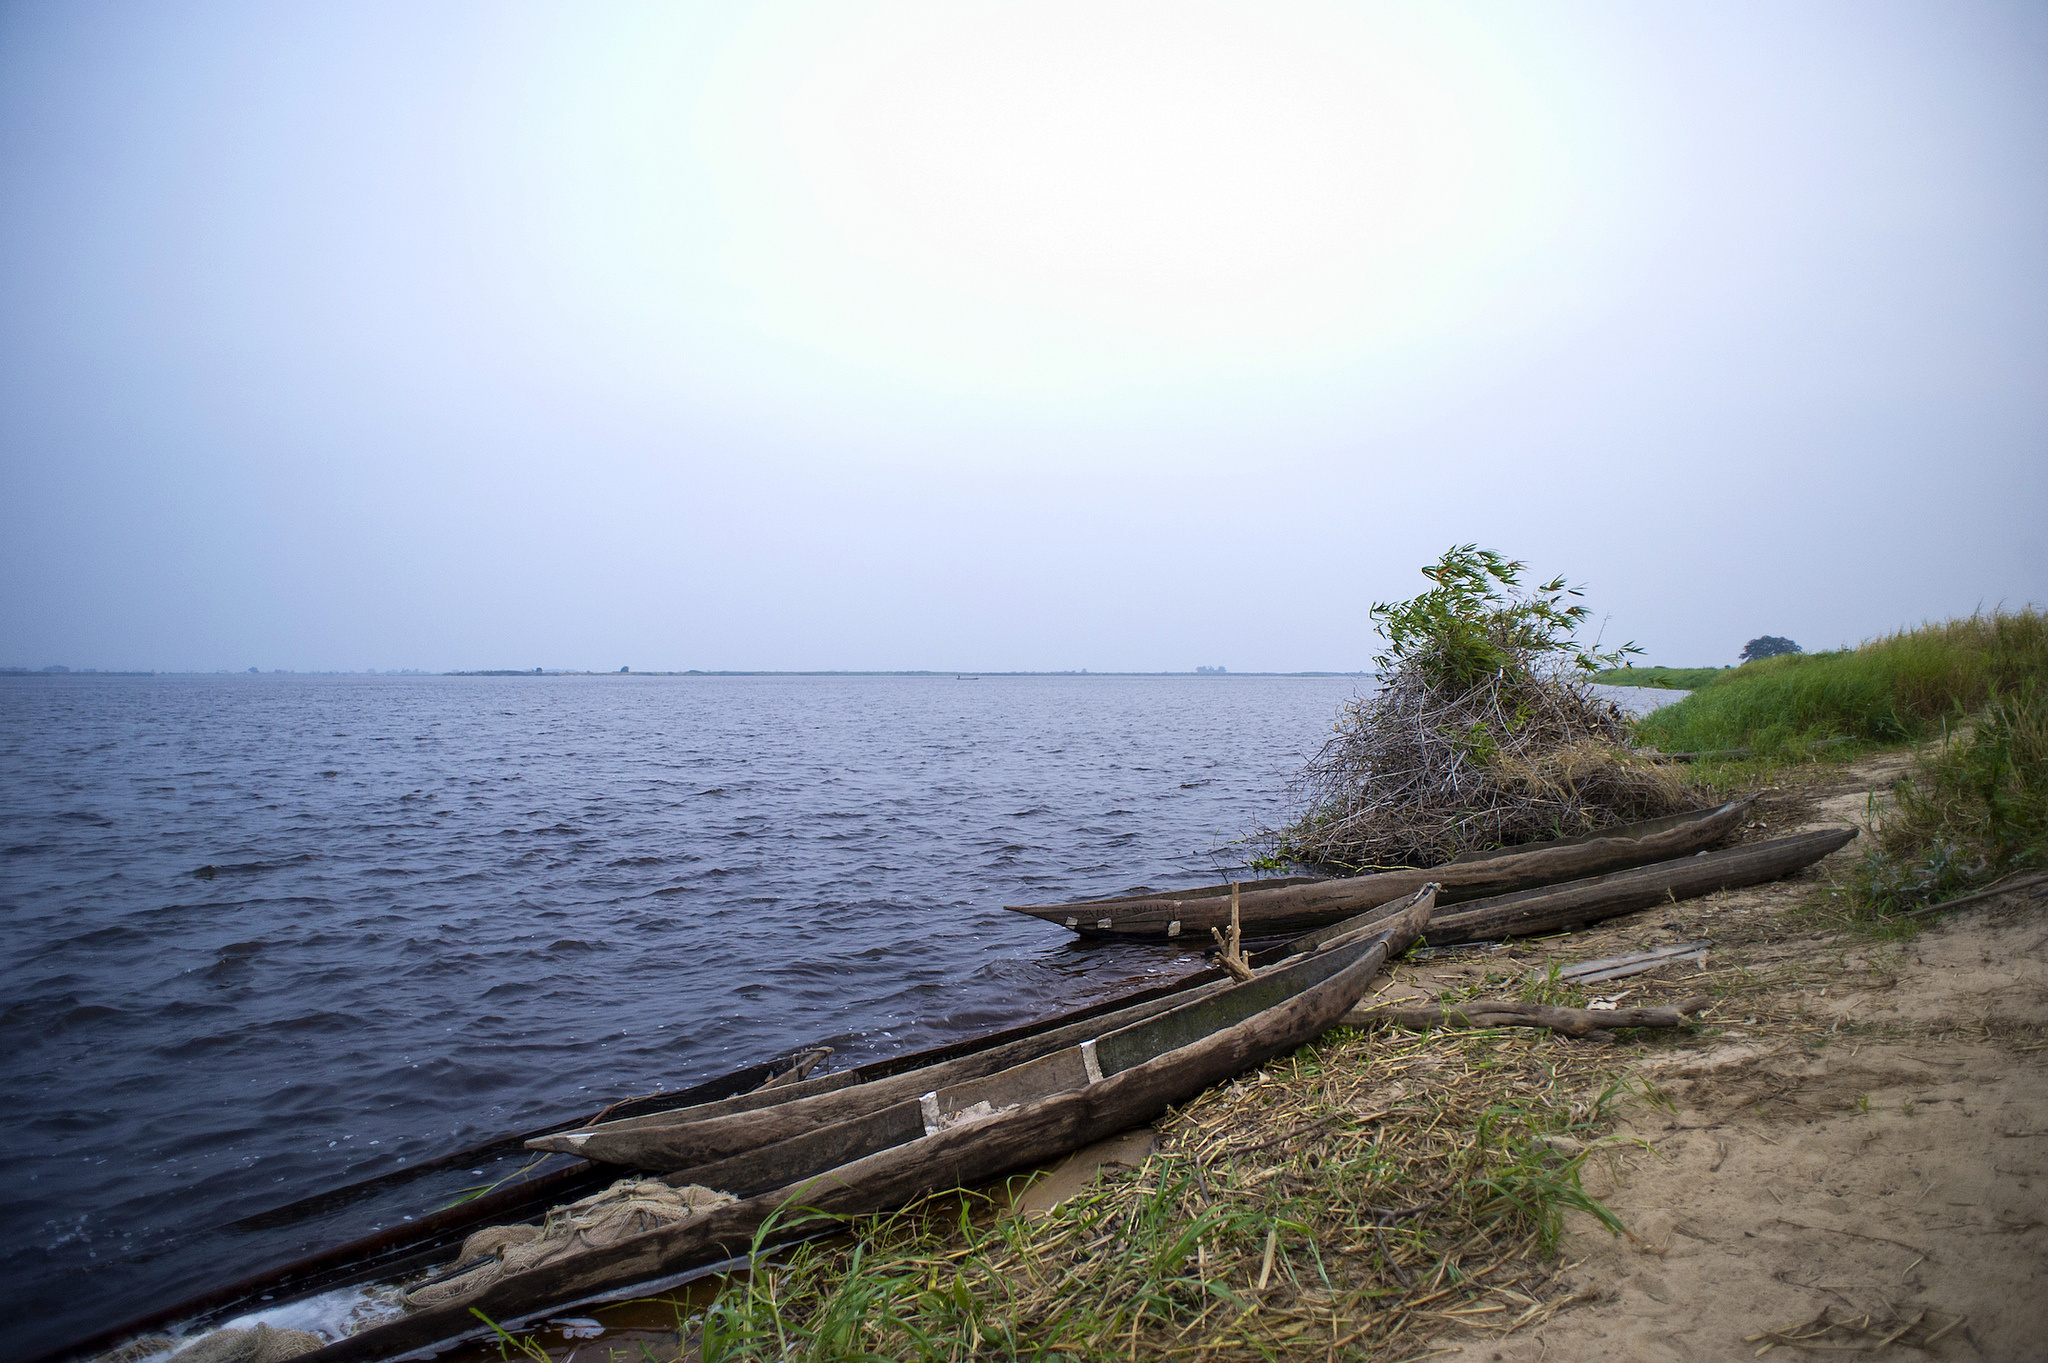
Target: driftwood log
(1588,901)
(1510,1013)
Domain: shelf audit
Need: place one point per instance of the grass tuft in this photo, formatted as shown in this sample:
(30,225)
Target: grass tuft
(1974,811)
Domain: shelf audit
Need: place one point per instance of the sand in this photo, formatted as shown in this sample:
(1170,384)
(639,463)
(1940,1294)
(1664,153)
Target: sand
(1861,1128)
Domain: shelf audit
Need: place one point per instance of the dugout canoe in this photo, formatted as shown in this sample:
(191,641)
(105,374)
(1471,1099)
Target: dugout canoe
(419,1242)
(1302,906)
(1579,902)
(707,1132)
(424,1233)
(941,1139)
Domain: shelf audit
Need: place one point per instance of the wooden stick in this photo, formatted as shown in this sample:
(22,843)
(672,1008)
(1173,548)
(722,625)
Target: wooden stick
(1231,954)
(2005,886)
(1511,1013)
(800,1069)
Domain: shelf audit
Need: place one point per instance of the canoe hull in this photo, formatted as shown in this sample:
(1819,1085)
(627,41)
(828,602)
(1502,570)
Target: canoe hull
(1299,908)
(975,1152)
(1577,902)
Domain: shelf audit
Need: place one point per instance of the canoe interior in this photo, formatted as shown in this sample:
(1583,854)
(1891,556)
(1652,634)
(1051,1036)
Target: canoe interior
(828,1099)
(1312,941)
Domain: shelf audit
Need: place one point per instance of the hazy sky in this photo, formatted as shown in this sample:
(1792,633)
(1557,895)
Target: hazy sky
(1035,335)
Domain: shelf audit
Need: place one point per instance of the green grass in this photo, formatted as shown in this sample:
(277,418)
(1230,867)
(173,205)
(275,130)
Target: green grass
(1889,691)
(1975,810)
(1663,678)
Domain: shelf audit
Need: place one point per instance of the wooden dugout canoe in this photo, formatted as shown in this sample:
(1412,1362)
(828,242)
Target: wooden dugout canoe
(1052,1105)
(415,1246)
(422,1237)
(425,1237)
(1300,906)
(1557,907)
(699,1135)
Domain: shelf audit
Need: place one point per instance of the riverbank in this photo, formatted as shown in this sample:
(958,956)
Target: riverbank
(1855,1129)
(1850,1125)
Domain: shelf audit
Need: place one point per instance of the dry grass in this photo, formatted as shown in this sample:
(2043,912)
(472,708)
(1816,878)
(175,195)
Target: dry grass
(1354,1200)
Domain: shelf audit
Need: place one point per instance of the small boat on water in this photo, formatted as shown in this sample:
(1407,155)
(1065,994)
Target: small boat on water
(1025,1101)
(1273,907)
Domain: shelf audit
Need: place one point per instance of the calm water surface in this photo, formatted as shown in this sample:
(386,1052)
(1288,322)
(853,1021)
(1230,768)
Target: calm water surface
(442,909)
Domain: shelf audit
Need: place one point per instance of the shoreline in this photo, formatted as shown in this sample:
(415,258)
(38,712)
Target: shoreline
(1768,1161)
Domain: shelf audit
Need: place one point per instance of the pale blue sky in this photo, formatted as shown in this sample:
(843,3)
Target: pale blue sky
(1002,336)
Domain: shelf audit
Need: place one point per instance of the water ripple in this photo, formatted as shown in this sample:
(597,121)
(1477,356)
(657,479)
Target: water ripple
(271,934)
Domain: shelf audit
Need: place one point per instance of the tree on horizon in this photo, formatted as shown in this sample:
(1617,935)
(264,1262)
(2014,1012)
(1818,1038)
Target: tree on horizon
(1768,646)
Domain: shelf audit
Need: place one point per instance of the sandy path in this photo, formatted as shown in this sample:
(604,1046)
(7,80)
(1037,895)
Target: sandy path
(1861,1128)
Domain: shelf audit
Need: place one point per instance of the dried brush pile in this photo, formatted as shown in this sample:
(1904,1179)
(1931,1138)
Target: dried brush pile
(1419,773)
(1484,733)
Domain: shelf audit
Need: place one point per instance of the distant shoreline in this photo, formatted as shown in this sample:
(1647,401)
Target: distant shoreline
(954,674)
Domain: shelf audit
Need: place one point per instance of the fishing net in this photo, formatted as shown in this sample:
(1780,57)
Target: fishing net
(259,1345)
(628,1208)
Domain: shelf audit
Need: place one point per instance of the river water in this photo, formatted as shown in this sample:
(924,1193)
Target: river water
(431,910)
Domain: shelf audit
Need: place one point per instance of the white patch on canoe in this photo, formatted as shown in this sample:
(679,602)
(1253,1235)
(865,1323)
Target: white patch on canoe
(933,1122)
(329,1316)
(1105,922)
(1090,1063)
(576,1138)
(1173,928)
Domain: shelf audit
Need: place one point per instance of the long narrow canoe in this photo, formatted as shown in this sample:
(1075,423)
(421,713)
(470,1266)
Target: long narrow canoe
(411,1242)
(1222,888)
(414,1243)
(936,1141)
(1588,901)
(700,1134)
(1295,908)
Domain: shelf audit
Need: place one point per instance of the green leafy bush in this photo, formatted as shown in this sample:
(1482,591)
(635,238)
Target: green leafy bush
(1975,810)
(1478,623)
